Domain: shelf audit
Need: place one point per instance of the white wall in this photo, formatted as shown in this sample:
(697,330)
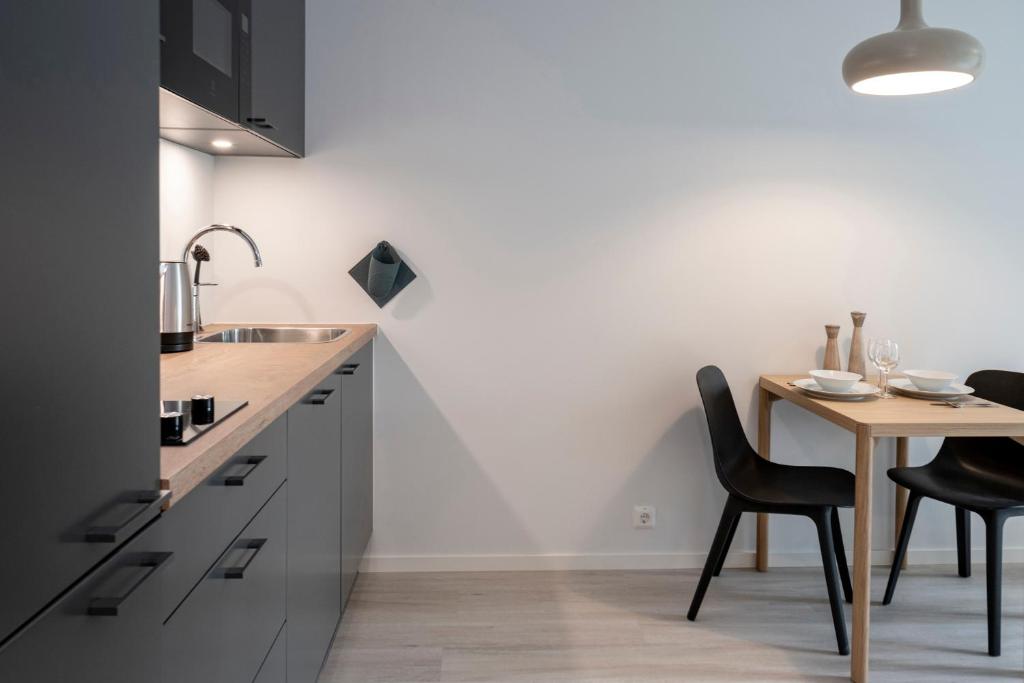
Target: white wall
(186,196)
(600,197)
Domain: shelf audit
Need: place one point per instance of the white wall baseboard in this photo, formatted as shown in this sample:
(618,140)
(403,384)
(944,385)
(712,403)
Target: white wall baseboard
(481,563)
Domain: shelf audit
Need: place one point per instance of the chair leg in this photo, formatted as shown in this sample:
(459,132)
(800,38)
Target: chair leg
(963,542)
(728,544)
(844,568)
(994,579)
(828,559)
(731,512)
(913,500)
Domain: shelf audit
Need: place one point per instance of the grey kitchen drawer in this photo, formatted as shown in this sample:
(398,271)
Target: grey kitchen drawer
(201,525)
(104,630)
(226,627)
(275,666)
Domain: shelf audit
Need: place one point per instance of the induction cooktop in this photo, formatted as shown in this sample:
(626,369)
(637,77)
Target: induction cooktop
(182,422)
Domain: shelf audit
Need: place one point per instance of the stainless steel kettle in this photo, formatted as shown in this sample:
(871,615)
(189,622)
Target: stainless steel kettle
(177,324)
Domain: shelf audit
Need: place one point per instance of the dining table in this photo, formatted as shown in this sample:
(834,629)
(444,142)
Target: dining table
(870,420)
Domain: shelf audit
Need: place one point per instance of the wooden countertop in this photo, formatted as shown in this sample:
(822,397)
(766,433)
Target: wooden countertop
(271,377)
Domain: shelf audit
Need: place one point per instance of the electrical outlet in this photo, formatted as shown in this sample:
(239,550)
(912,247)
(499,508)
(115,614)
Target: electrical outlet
(643,517)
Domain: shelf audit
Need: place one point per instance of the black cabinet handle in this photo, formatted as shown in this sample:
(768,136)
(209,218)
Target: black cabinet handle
(349,369)
(109,607)
(259,122)
(252,461)
(320,397)
(147,501)
(238,571)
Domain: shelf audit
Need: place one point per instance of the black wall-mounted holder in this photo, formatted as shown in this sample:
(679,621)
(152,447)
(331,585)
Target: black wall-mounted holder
(382,274)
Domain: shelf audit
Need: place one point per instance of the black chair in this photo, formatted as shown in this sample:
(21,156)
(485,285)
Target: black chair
(980,475)
(757,485)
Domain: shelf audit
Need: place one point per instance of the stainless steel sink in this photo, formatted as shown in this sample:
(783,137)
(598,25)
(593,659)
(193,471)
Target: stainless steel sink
(274,335)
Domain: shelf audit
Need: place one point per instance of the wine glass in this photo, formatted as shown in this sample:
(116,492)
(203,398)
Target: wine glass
(884,354)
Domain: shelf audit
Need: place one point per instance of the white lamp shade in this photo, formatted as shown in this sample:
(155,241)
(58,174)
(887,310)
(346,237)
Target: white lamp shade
(913,59)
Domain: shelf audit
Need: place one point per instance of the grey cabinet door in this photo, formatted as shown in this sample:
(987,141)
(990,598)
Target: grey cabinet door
(276,108)
(79,357)
(105,630)
(314,528)
(356,463)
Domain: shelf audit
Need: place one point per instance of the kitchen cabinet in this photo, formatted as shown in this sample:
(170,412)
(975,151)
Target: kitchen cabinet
(226,626)
(105,630)
(244,577)
(314,528)
(314,463)
(234,70)
(275,666)
(202,524)
(81,381)
(219,627)
(276,99)
(356,463)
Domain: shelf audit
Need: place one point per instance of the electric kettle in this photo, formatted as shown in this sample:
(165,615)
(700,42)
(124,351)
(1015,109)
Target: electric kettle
(177,325)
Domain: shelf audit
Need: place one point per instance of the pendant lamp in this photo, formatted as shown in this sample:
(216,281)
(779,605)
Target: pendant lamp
(913,59)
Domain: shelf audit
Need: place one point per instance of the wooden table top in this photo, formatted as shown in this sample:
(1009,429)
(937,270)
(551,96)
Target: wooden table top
(901,416)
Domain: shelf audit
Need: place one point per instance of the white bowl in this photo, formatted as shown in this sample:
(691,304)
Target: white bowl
(930,380)
(835,380)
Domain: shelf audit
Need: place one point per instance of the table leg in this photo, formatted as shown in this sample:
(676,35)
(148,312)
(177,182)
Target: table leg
(862,556)
(764,449)
(902,460)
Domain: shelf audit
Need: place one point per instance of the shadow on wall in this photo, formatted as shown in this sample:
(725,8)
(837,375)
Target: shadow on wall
(682,452)
(416,297)
(417,454)
(690,499)
(256,287)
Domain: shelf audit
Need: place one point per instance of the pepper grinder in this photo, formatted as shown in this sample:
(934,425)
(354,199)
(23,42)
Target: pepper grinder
(856,363)
(832,348)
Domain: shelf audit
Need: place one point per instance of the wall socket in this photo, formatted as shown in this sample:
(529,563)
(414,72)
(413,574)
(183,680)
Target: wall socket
(643,517)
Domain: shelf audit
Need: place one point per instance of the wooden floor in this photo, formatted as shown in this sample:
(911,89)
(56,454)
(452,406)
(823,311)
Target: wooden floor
(629,626)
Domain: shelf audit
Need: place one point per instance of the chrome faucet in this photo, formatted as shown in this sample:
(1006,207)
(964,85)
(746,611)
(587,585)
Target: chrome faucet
(188,248)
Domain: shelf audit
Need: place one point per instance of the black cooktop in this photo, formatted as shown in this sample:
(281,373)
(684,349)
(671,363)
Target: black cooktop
(180,424)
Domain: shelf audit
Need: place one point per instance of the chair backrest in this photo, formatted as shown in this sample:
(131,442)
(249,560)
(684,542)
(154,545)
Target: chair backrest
(999,457)
(999,386)
(732,451)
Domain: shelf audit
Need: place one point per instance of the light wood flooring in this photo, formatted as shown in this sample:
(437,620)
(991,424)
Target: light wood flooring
(630,626)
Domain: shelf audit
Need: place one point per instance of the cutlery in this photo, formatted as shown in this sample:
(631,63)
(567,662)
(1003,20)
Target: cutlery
(956,404)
